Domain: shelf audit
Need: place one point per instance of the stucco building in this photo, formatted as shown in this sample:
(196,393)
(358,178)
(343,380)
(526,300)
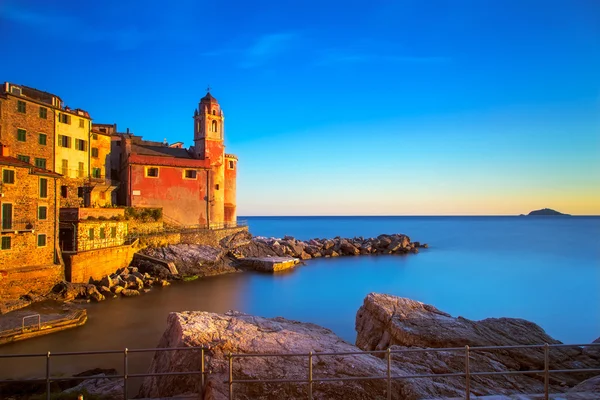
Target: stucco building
(194,186)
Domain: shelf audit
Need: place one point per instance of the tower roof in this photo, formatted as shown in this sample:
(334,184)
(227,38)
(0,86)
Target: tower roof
(208,99)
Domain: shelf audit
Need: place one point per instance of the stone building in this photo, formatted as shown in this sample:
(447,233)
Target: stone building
(103,186)
(194,186)
(83,229)
(27,124)
(29,227)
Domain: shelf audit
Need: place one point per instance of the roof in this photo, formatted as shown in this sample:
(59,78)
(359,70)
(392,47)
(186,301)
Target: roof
(163,151)
(208,99)
(15,162)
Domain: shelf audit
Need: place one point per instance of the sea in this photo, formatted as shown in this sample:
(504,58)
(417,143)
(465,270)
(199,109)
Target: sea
(542,269)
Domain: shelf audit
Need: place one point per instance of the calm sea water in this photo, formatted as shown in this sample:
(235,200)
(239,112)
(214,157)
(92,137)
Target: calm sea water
(544,269)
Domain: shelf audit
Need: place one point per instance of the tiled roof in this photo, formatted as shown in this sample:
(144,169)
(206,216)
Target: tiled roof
(162,151)
(15,162)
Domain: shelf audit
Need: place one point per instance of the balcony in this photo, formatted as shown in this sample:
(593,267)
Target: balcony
(11,226)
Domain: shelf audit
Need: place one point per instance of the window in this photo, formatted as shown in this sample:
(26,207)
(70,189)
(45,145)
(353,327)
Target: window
(102,233)
(41,240)
(42,139)
(95,136)
(5,242)
(64,118)
(80,170)
(81,123)
(7,216)
(152,172)
(190,174)
(21,106)
(43,188)
(23,158)
(43,112)
(80,144)
(214,126)
(8,176)
(80,191)
(103,130)
(91,233)
(217,186)
(113,232)
(64,191)
(42,212)
(15,90)
(230,164)
(119,143)
(114,174)
(40,163)
(96,173)
(65,167)
(64,141)
(214,112)
(21,135)
(94,152)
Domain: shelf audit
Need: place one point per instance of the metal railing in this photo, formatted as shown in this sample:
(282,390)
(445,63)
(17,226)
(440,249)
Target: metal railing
(48,378)
(310,379)
(467,373)
(39,321)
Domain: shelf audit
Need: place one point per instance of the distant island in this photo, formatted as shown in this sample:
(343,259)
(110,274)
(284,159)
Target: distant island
(546,212)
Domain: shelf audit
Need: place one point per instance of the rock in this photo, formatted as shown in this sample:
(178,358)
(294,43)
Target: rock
(384,321)
(334,254)
(194,259)
(105,291)
(107,281)
(138,275)
(133,282)
(130,292)
(304,256)
(328,244)
(133,269)
(101,386)
(591,385)
(94,294)
(117,289)
(241,333)
(236,240)
(349,249)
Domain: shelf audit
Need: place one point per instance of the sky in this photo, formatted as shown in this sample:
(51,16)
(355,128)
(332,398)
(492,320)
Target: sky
(457,107)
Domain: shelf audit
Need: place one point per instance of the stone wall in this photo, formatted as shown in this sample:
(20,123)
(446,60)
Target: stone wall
(138,226)
(17,282)
(160,239)
(85,241)
(95,264)
(211,238)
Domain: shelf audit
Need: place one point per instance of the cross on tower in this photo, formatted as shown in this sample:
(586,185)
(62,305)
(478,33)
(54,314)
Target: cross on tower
(208,88)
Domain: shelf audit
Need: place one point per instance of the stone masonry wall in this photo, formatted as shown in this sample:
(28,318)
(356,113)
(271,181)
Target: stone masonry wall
(211,238)
(11,120)
(95,264)
(86,242)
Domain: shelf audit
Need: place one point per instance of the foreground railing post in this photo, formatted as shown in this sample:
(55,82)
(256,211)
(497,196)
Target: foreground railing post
(310,375)
(202,371)
(389,374)
(546,370)
(125,371)
(230,376)
(467,375)
(48,376)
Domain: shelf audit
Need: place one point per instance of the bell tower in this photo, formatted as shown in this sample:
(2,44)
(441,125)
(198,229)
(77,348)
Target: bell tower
(209,146)
(208,129)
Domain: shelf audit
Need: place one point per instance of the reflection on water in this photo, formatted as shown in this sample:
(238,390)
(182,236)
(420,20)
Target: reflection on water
(546,271)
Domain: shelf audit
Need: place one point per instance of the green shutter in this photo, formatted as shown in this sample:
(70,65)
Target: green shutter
(43,188)
(6,243)
(21,135)
(7,216)
(41,239)
(42,139)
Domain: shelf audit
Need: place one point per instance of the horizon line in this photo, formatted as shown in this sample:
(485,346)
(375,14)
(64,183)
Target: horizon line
(415,215)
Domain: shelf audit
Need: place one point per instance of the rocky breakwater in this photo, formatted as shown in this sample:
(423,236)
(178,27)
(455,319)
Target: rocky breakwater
(127,282)
(316,248)
(387,321)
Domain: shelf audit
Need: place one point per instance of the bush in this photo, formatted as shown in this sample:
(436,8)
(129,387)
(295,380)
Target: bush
(102,218)
(91,218)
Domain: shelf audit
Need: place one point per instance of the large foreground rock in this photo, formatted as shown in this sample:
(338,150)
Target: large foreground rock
(401,323)
(240,333)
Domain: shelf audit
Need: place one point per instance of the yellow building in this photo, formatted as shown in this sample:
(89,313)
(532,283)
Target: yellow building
(102,184)
(72,156)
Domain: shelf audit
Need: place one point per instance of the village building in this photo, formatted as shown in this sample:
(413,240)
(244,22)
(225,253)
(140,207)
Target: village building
(103,185)
(195,186)
(29,228)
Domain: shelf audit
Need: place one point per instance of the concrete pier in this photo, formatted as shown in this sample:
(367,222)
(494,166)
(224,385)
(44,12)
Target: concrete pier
(269,264)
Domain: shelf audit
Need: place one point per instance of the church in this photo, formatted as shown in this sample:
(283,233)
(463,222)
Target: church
(195,186)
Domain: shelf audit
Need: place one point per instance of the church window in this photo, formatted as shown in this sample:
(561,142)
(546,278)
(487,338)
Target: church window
(214,126)
(189,174)
(230,164)
(152,172)
(214,112)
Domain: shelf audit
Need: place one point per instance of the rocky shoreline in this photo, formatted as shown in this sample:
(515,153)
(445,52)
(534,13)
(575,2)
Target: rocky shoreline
(184,262)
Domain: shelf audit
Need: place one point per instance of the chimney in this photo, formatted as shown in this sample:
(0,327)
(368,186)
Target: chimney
(4,150)
(128,131)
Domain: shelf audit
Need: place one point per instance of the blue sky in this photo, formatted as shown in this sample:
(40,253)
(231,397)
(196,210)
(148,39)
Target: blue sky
(343,107)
